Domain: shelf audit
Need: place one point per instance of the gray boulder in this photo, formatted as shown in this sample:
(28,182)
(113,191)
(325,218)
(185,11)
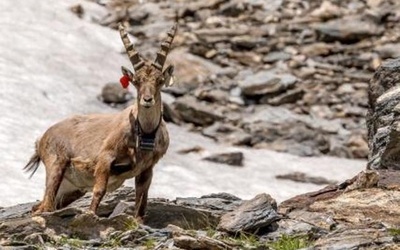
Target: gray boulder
(383,117)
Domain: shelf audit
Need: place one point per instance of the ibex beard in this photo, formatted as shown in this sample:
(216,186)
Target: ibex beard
(99,152)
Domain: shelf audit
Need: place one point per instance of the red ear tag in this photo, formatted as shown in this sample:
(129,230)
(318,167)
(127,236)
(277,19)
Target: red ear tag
(124,81)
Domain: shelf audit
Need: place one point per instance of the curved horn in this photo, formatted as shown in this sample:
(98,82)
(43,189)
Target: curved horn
(165,46)
(134,57)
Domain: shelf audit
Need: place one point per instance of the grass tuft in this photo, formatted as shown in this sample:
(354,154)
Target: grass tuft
(243,240)
(394,231)
(72,242)
(132,224)
(150,243)
(287,242)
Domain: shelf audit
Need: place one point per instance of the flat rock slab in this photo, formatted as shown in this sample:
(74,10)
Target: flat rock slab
(251,216)
(348,30)
(231,158)
(367,199)
(302,177)
(389,50)
(266,82)
(360,213)
(198,113)
(356,238)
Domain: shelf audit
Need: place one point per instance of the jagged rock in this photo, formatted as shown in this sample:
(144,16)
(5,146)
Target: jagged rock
(186,64)
(327,10)
(139,13)
(161,214)
(170,115)
(282,130)
(347,214)
(383,116)
(233,9)
(358,146)
(247,42)
(276,56)
(78,10)
(252,215)
(295,227)
(224,202)
(231,158)
(109,201)
(302,177)
(348,30)
(227,133)
(186,240)
(213,95)
(191,110)
(355,239)
(266,82)
(290,96)
(195,149)
(193,7)
(389,50)
(194,213)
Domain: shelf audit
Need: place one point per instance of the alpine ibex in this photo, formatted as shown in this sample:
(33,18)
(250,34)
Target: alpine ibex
(99,152)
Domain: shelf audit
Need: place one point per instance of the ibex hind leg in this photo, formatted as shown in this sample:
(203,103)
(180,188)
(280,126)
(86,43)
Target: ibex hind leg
(64,198)
(55,168)
(67,193)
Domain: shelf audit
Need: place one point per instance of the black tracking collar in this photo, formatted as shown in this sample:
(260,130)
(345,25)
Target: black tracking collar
(145,141)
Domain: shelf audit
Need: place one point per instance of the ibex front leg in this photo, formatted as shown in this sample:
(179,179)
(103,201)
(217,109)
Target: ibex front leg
(142,184)
(102,173)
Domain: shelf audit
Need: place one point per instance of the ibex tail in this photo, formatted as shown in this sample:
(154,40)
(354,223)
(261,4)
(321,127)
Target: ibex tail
(33,163)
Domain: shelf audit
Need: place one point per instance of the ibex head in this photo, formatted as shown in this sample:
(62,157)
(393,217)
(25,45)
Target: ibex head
(148,78)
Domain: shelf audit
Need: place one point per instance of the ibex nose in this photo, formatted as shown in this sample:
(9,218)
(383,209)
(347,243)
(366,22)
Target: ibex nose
(147,98)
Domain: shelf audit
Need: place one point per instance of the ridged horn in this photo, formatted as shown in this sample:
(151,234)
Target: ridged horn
(165,47)
(133,55)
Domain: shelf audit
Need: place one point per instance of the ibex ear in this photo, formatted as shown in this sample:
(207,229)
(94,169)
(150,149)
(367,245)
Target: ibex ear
(129,74)
(168,76)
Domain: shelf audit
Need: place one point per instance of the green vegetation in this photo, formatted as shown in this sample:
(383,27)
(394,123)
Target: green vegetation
(131,224)
(112,243)
(287,242)
(211,232)
(70,241)
(248,240)
(150,243)
(243,240)
(394,231)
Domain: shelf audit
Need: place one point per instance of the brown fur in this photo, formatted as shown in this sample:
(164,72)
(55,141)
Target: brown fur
(98,152)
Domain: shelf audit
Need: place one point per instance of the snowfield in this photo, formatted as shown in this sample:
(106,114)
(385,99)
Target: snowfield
(53,65)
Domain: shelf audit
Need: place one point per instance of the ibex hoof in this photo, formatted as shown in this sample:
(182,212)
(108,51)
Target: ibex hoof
(39,210)
(36,207)
(89,212)
(139,220)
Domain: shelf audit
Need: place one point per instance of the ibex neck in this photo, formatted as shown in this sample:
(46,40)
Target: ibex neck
(150,118)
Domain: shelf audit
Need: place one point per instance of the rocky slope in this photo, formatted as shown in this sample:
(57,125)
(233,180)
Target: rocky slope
(286,75)
(361,213)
